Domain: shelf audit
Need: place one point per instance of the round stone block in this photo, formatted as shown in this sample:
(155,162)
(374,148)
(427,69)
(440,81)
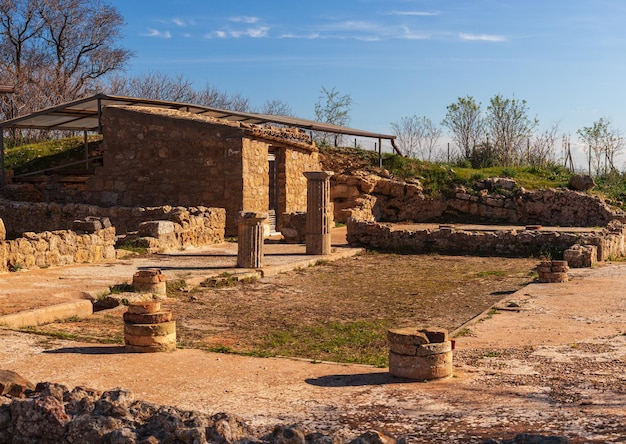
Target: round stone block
(150,287)
(150,341)
(144,307)
(434,348)
(407,336)
(559,269)
(163,329)
(148,318)
(420,367)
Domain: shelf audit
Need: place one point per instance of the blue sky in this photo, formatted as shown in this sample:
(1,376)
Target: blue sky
(396,58)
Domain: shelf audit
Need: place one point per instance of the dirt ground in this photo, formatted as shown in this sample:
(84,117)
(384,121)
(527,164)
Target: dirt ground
(335,311)
(551,360)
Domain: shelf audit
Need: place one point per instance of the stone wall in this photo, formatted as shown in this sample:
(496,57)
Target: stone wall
(155,157)
(499,201)
(188,230)
(448,239)
(197,222)
(56,248)
(292,164)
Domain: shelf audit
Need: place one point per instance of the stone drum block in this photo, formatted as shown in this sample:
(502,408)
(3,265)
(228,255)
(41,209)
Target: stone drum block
(150,281)
(419,354)
(148,329)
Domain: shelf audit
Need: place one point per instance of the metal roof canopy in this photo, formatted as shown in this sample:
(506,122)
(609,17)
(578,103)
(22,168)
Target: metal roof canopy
(84,115)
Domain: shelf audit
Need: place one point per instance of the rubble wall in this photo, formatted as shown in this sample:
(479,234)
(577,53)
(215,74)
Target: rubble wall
(500,201)
(56,248)
(20,217)
(446,239)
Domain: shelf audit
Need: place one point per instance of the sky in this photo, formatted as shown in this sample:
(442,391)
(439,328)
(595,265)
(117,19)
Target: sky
(395,58)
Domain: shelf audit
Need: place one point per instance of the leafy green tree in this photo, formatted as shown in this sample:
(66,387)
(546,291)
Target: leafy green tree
(465,123)
(509,128)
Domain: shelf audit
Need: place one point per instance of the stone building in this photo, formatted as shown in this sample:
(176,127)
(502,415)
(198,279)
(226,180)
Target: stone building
(157,153)
(154,156)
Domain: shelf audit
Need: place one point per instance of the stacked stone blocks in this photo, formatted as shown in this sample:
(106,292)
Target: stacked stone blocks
(419,354)
(150,281)
(552,271)
(148,328)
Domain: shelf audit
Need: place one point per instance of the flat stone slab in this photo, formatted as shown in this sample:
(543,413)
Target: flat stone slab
(38,316)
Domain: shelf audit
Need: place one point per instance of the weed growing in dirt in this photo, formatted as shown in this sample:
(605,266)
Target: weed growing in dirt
(463,332)
(175,288)
(122,288)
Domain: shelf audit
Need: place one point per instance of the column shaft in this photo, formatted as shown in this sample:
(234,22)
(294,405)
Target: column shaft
(250,240)
(319,217)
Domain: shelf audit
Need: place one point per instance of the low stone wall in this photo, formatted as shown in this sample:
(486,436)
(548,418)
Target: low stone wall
(447,239)
(55,248)
(366,196)
(186,230)
(20,217)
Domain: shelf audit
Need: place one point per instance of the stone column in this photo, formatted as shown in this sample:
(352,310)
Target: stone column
(250,241)
(319,217)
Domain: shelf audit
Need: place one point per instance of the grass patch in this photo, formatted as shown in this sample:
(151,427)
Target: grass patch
(362,342)
(133,246)
(48,154)
(121,288)
(491,273)
(175,288)
(463,332)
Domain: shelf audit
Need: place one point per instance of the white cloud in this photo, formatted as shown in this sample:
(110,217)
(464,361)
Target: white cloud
(179,22)
(482,37)
(255,33)
(258,32)
(245,19)
(157,33)
(407,34)
(311,36)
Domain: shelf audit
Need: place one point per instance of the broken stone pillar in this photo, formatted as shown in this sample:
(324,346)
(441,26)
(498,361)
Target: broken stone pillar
(419,353)
(319,212)
(250,240)
(552,271)
(148,329)
(150,281)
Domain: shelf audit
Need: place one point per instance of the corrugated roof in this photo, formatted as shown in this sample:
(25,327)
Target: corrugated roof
(84,114)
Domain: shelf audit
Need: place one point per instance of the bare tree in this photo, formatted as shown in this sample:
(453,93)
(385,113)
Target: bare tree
(417,136)
(154,85)
(509,127)
(161,86)
(602,143)
(542,147)
(276,108)
(465,123)
(333,108)
(57,50)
